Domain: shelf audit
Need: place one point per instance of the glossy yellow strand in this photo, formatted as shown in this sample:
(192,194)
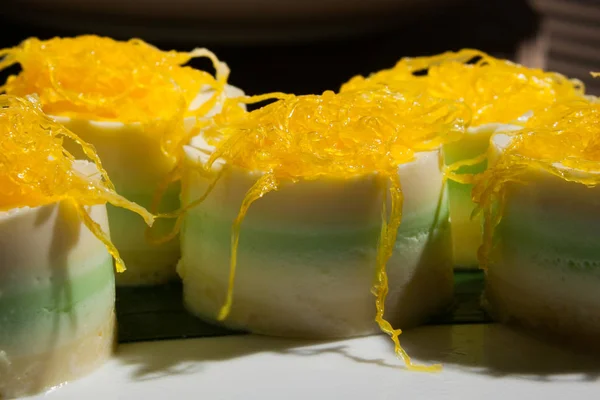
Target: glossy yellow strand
(265,184)
(36,170)
(450,170)
(385,249)
(101,235)
(496,90)
(180,214)
(101,79)
(342,135)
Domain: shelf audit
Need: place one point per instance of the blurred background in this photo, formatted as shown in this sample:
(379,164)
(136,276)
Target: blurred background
(308,46)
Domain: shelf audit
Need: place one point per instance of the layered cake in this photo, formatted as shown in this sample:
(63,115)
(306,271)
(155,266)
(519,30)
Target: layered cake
(137,105)
(305,206)
(540,202)
(57,295)
(500,94)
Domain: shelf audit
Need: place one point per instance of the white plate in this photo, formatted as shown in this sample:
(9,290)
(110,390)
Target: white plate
(480,362)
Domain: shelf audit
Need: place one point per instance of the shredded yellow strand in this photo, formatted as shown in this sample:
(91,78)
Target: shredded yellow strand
(344,135)
(265,184)
(451,171)
(336,135)
(563,140)
(36,170)
(178,215)
(496,90)
(385,249)
(98,78)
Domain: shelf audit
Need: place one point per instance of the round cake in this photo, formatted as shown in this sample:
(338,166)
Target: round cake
(136,105)
(57,307)
(307,252)
(318,199)
(57,292)
(136,164)
(540,201)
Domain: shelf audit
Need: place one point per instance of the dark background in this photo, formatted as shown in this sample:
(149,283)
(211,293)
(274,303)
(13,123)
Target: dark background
(320,61)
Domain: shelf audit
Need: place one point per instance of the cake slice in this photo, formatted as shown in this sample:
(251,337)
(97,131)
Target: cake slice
(136,105)
(57,293)
(303,207)
(540,202)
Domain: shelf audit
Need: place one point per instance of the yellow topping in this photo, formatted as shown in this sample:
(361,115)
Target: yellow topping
(36,170)
(336,135)
(496,90)
(342,135)
(97,78)
(563,140)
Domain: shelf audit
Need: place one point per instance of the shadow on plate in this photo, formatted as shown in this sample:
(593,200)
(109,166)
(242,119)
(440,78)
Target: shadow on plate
(500,351)
(491,349)
(166,358)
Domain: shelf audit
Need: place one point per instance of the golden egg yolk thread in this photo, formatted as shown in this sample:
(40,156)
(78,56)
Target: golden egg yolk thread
(98,78)
(101,235)
(178,215)
(451,171)
(496,90)
(385,249)
(313,154)
(231,108)
(265,184)
(344,135)
(36,170)
(562,140)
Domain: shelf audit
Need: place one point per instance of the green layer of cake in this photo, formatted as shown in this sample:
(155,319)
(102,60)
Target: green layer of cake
(131,223)
(555,244)
(319,293)
(144,195)
(146,262)
(466,232)
(210,228)
(62,304)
